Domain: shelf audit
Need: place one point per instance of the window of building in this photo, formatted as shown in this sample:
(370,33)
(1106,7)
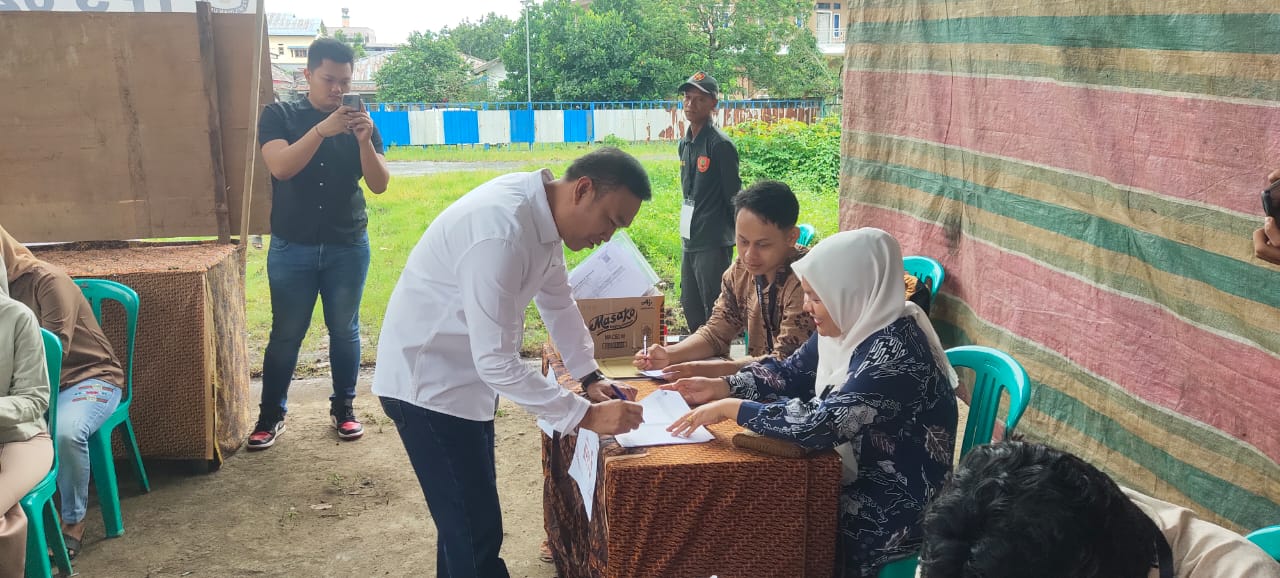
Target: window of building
(824,6)
(298,52)
(836,32)
(837,6)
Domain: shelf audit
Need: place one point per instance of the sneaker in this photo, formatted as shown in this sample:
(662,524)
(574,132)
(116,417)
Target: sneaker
(344,420)
(265,433)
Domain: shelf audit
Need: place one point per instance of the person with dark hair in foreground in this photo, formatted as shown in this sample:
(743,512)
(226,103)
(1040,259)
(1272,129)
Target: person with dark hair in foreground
(451,338)
(1016,509)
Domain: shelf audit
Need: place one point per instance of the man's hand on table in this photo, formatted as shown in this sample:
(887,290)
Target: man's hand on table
(613,417)
(600,390)
(714,412)
(699,390)
(703,368)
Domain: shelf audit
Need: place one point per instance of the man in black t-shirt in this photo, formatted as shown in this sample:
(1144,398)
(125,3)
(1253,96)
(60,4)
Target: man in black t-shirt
(709,180)
(317,151)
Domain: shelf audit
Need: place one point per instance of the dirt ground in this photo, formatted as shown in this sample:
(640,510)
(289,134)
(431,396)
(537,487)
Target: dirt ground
(310,506)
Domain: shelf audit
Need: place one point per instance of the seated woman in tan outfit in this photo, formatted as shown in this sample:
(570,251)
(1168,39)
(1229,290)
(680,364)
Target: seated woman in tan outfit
(26,452)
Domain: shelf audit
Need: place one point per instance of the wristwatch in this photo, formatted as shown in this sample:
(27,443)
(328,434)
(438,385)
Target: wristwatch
(591,378)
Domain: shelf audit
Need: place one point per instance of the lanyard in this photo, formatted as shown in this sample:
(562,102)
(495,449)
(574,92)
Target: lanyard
(767,310)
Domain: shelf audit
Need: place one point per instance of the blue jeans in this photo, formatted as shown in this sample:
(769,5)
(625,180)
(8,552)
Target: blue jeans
(298,273)
(453,458)
(81,410)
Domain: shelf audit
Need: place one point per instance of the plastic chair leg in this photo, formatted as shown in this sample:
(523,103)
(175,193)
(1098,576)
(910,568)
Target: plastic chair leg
(37,552)
(53,537)
(132,445)
(103,466)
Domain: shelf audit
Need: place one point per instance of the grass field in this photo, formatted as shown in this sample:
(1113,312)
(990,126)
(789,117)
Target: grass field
(398,217)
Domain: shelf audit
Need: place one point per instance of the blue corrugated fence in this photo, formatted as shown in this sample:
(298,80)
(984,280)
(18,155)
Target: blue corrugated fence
(546,122)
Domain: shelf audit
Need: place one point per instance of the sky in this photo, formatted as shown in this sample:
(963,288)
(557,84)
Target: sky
(393,20)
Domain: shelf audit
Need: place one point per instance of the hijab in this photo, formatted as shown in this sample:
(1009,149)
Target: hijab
(17,259)
(858,277)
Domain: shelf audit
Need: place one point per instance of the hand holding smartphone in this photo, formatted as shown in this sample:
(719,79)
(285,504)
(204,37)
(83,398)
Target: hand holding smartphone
(353,101)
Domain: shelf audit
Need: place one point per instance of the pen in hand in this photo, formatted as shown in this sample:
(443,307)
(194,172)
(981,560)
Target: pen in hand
(645,350)
(618,392)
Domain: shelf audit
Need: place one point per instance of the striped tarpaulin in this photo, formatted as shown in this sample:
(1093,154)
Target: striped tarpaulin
(1088,171)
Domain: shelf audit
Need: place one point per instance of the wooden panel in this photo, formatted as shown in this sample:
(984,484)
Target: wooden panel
(106,134)
(107,125)
(234,45)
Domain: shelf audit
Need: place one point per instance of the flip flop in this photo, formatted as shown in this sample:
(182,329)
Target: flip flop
(73,546)
(545,554)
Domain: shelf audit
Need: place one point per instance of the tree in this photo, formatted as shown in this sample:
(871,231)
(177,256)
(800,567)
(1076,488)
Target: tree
(483,39)
(427,69)
(644,49)
(579,55)
(355,41)
(764,40)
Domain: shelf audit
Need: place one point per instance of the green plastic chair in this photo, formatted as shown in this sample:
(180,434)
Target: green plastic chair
(925,268)
(43,528)
(995,372)
(101,462)
(808,235)
(904,568)
(1268,539)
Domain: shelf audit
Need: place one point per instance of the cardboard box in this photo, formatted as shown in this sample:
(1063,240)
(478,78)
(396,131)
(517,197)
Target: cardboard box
(618,326)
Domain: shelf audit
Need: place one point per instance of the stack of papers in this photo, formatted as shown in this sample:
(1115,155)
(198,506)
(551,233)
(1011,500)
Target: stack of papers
(661,409)
(613,271)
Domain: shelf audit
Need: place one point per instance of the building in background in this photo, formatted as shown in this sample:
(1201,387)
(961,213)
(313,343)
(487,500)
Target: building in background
(828,24)
(289,37)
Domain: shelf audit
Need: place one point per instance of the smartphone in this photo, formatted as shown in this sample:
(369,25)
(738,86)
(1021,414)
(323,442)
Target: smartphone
(1270,195)
(353,100)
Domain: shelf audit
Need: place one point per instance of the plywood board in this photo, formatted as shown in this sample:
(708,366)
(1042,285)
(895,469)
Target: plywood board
(235,37)
(107,125)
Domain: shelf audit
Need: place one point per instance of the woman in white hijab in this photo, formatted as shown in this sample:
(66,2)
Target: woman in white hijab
(873,382)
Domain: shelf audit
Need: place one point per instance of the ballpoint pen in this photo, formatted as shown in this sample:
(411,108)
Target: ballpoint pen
(618,392)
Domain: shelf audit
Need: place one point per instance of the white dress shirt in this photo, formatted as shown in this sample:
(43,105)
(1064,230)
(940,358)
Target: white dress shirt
(451,336)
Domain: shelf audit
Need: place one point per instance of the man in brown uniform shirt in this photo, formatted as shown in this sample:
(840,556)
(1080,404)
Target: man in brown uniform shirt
(766,233)
(91,380)
(765,228)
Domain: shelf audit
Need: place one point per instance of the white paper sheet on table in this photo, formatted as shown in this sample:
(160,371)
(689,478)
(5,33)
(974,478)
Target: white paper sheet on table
(583,468)
(654,374)
(615,270)
(661,409)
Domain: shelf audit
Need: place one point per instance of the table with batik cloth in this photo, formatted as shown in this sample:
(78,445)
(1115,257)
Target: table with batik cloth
(689,511)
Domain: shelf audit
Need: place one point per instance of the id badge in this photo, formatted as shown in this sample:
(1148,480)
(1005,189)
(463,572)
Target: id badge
(686,220)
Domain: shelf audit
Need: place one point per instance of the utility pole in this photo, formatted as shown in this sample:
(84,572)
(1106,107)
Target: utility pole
(528,68)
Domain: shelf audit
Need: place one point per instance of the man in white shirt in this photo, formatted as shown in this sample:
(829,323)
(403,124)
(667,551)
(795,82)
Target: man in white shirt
(451,338)
(1022,509)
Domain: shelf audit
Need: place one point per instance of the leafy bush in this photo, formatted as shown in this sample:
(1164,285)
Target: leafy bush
(805,156)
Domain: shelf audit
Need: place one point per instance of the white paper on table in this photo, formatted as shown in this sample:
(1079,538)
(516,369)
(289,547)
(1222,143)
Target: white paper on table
(654,374)
(615,270)
(583,468)
(661,409)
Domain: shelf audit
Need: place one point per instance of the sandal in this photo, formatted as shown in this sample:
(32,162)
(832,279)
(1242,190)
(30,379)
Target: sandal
(73,546)
(545,554)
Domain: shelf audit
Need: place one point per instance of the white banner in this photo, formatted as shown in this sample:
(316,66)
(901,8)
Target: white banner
(234,6)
